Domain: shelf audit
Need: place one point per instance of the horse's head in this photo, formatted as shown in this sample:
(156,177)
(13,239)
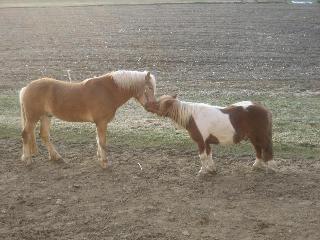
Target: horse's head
(162,106)
(147,92)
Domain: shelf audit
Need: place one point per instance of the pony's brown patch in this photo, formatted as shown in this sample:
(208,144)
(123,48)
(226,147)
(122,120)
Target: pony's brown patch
(254,123)
(195,134)
(212,139)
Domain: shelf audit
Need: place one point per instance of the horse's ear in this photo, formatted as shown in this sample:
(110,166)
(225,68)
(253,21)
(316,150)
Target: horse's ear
(148,76)
(174,96)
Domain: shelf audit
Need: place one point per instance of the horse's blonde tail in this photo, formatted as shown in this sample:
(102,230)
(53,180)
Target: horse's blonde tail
(22,110)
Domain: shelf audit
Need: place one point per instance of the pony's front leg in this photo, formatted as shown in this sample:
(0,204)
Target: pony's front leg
(207,163)
(203,159)
(102,146)
(211,167)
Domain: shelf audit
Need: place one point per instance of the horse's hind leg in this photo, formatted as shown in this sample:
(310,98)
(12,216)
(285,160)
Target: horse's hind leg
(102,144)
(45,137)
(29,142)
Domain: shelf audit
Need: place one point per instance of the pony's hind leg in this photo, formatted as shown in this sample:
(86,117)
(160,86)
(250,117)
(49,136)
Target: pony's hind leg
(102,144)
(45,137)
(259,164)
(29,142)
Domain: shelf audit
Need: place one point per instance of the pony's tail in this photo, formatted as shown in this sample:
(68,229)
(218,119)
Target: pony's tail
(267,153)
(22,110)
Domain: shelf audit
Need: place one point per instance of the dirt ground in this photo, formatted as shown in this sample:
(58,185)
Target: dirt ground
(164,199)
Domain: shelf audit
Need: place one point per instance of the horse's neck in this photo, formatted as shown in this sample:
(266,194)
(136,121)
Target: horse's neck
(119,95)
(122,96)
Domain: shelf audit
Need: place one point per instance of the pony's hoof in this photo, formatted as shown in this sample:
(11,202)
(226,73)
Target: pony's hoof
(207,172)
(259,165)
(211,170)
(204,176)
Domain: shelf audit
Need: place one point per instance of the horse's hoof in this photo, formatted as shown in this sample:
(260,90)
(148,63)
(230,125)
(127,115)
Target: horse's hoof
(27,160)
(55,157)
(105,164)
(58,160)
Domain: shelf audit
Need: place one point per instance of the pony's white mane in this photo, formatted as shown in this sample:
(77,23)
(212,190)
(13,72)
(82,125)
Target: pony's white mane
(181,112)
(132,80)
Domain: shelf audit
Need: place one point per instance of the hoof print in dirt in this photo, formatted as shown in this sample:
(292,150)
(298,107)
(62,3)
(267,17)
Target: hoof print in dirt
(58,161)
(206,175)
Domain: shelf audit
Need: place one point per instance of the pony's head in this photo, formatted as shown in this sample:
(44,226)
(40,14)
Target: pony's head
(146,93)
(163,106)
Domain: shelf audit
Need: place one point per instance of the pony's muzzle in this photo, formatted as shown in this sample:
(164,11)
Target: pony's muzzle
(152,107)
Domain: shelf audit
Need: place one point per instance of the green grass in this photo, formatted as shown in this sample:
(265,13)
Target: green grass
(296,122)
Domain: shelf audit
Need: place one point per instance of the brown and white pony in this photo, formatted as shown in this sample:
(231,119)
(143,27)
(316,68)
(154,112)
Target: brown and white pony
(92,100)
(208,124)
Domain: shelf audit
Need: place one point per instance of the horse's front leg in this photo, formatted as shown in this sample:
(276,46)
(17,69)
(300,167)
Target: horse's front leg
(102,144)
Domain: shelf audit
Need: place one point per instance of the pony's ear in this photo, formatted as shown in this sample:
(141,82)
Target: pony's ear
(174,96)
(169,103)
(148,76)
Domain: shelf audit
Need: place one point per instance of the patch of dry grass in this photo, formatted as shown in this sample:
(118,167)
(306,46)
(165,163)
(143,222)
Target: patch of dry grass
(296,119)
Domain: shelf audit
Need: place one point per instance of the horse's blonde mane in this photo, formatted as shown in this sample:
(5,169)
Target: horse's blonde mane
(181,112)
(132,80)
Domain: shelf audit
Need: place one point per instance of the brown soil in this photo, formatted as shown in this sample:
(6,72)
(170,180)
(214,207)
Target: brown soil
(165,199)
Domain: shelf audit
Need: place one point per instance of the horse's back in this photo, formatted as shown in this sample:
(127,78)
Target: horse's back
(34,95)
(51,96)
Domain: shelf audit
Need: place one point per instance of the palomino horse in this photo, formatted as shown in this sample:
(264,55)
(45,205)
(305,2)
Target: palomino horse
(92,100)
(208,124)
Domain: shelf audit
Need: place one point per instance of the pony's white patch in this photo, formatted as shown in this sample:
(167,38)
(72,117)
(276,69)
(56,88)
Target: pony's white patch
(210,120)
(243,104)
(132,79)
